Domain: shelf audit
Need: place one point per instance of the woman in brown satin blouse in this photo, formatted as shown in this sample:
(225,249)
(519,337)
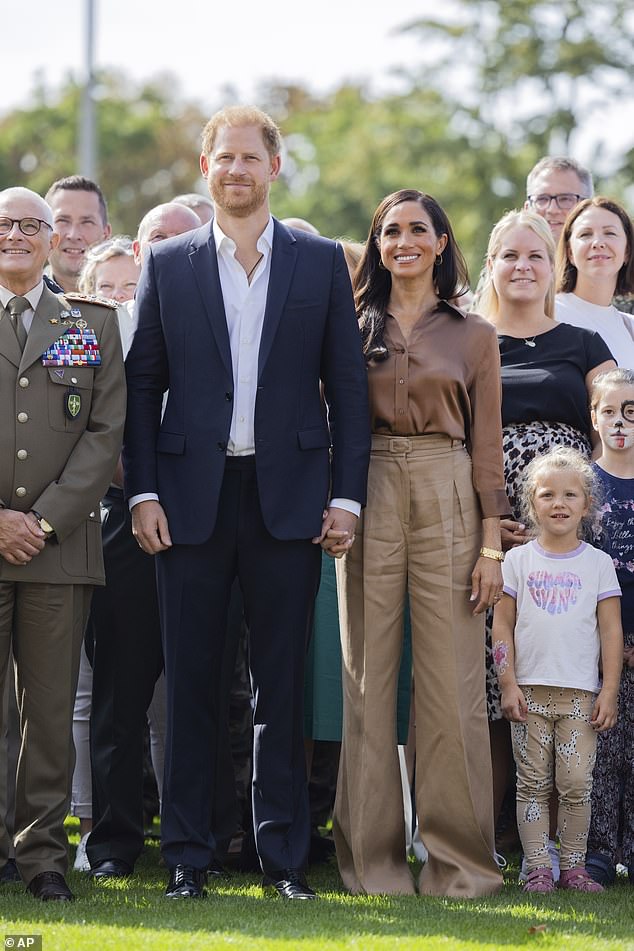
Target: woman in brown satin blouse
(431,529)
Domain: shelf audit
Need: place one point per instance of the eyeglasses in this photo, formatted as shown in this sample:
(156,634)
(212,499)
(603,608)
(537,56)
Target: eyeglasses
(28,226)
(564,202)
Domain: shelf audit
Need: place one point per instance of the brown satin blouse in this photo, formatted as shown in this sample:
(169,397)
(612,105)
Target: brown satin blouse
(445,379)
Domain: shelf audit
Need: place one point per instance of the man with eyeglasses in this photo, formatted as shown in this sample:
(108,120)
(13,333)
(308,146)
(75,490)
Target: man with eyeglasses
(554,186)
(80,216)
(61,422)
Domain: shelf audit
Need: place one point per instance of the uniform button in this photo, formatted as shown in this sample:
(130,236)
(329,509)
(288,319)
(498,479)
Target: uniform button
(92,515)
(23,381)
(401,381)
(22,454)
(401,412)
(20,491)
(23,417)
(228,396)
(73,379)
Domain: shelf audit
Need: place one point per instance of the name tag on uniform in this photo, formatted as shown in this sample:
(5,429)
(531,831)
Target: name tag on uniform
(78,347)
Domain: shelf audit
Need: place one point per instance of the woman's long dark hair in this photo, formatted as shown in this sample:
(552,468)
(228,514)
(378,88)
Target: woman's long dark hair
(373,282)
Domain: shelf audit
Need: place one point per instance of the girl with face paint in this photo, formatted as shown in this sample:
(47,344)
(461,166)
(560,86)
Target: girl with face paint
(611,837)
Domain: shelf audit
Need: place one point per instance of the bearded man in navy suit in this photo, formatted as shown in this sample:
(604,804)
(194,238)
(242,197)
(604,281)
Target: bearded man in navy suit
(261,455)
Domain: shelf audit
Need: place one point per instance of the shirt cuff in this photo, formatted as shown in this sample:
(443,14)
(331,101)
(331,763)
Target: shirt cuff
(142,497)
(348,505)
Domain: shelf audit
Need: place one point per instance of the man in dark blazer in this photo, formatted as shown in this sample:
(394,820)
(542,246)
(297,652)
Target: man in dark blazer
(248,470)
(62,408)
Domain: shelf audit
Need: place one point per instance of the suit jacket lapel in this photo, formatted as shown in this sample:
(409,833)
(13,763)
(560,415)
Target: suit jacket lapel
(204,262)
(283,259)
(43,333)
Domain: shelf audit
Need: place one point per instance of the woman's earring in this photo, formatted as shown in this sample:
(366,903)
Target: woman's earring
(438,260)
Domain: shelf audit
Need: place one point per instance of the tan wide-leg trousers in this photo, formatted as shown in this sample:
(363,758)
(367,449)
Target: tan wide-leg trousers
(420,532)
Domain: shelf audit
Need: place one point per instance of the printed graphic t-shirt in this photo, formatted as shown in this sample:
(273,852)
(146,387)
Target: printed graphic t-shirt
(556,630)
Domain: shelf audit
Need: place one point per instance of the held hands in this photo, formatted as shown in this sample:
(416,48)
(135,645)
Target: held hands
(149,527)
(486,583)
(337,532)
(513,533)
(604,711)
(21,538)
(514,706)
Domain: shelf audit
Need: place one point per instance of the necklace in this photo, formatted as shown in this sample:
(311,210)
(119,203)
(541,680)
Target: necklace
(250,274)
(531,342)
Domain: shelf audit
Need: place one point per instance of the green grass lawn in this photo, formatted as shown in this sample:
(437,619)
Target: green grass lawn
(133,914)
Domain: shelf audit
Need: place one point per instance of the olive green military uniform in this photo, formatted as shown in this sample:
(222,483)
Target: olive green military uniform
(60,435)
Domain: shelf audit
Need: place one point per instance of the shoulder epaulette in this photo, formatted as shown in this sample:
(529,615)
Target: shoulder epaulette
(76,298)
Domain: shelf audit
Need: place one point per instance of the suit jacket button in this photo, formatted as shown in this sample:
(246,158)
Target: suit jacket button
(23,381)
(20,491)
(228,397)
(222,446)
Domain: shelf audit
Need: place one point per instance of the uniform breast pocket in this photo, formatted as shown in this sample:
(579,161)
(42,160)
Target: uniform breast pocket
(69,398)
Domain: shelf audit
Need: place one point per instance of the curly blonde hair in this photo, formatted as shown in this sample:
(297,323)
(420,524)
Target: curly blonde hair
(563,458)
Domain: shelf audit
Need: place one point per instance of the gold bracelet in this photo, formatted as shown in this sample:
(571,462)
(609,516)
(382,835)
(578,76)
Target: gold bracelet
(492,553)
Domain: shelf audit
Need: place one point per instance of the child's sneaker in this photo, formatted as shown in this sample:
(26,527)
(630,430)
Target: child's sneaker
(553,853)
(540,880)
(578,880)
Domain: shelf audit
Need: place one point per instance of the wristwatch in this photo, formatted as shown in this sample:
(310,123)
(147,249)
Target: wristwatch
(46,527)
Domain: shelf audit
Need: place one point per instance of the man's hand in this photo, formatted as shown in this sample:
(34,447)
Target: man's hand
(21,538)
(337,532)
(149,527)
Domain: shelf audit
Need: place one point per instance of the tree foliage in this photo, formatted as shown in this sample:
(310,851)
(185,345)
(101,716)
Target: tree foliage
(147,143)
(499,84)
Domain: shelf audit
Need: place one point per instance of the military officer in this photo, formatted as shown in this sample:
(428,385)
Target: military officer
(62,407)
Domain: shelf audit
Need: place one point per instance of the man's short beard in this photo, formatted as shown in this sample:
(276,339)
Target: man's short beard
(239,208)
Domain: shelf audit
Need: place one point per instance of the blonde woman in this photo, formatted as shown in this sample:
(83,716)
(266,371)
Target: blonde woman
(547,373)
(111,270)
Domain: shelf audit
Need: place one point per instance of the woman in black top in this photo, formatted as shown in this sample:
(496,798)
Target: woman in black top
(547,371)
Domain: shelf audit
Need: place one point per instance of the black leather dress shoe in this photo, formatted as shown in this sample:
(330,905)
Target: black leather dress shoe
(289,883)
(186,882)
(50,886)
(111,868)
(215,871)
(9,873)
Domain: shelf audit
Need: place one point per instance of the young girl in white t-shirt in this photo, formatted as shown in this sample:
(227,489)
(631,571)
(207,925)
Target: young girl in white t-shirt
(558,618)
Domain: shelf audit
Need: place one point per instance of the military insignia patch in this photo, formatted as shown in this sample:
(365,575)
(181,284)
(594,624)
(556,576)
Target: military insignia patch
(72,404)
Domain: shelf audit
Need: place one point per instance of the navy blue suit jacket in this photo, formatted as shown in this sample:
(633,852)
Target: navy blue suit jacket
(306,452)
